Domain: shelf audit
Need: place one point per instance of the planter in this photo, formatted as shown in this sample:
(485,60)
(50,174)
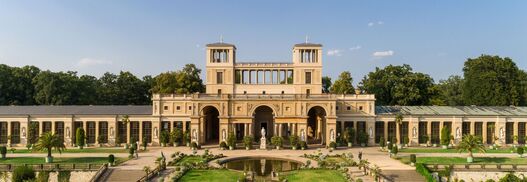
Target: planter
(294,148)
(444,146)
(350,144)
(302,148)
(363,145)
(164,145)
(126,146)
(176,144)
(491,147)
(412,164)
(399,146)
(389,151)
(277,147)
(110,164)
(247,148)
(188,144)
(144,148)
(434,145)
(100,144)
(470,159)
(231,147)
(49,159)
(80,147)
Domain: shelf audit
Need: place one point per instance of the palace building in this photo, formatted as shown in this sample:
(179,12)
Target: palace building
(243,97)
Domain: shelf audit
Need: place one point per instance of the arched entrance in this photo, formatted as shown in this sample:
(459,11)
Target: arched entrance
(263,118)
(316,125)
(211,124)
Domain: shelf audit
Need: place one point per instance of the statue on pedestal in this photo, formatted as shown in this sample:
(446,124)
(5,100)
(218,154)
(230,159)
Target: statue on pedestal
(263,140)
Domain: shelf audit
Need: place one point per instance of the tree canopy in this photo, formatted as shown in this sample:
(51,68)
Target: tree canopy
(398,85)
(183,81)
(344,84)
(326,84)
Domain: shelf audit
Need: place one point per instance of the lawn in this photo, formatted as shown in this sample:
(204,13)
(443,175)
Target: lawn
(337,160)
(440,150)
(190,160)
(463,160)
(76,150)
(314,175)
(212,175)
(65,160)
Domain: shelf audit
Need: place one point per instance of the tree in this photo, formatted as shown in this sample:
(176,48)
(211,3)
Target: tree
(469,143)
(451,91)
(123,89)
(47,142)
(343,85)
(445,136)
(492,81)
(23,173)
(56,88)
(326,84)
(399,85)
(80,138)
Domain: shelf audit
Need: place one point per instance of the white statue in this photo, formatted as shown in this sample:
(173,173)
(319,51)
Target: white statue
(263,132)
(414,132)
(302,135)
(332,135)
(458,132)
(370,132)
(155,132)
(223,135)
(194,135)
(502,134)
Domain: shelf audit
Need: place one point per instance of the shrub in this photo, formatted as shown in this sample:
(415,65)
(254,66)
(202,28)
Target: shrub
(3,151)
(333,145)
(80,137)
(64,176)
(144,144)
(421,169)
(43,176)
(248,141)
(23,173)
(277,141)
(363,138)
(520,151)
(223,145)
(131,151)
(413,158)
(303,144)
(395,150)
(293,140)
(111,158)
(194,145)
(186,136)
(101,139)
(406,140)
(445,136)
(231,140)
(490,180)
(164,137)
(177,135)
(349,134)
(382,142)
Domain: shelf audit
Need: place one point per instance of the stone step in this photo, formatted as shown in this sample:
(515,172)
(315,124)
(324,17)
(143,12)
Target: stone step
(403,175)
(120,175)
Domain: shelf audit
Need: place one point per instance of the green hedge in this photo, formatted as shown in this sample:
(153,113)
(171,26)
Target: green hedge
(421,169)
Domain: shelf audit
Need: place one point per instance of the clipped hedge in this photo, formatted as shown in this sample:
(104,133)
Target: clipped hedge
(421,169)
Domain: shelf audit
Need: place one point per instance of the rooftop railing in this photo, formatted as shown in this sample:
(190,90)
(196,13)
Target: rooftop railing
(265,96)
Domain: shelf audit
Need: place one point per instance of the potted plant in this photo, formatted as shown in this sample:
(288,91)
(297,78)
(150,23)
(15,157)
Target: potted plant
(413,159)
(520,152)
(178,135)
(277,142)
(223,145)
(144,144)
(3,151)
(445,137)
(248,142)
(293,140)
(164,138)
(390,147)
(349,134)
(382,143)
(406,141)
(47,142)
(111,160)
(231,141)
(333,145)
(80,138)
(363,139)
(470,143)
(186,136)
(101,139)
(515,139)
(303,145)
(118,141)
(194,145)
(395,150)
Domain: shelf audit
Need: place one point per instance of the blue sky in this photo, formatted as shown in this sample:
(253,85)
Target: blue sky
(149,37)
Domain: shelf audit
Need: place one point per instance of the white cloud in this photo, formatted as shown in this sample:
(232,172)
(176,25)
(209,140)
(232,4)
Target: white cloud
(334,52)
(371,24)
(87,62)
(355,48)
(381,54)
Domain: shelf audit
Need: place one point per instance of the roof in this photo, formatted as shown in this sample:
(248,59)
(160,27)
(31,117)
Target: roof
(452,110)
(308,45)
(77,110)
(220,44)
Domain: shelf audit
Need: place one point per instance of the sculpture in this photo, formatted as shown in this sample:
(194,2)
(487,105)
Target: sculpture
(414,132)
(302,135)
(332,135)
(263,132)
(223,135)
(458,132)
(194,135)
(370,132)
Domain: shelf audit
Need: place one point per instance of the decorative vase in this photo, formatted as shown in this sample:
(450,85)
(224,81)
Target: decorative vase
(49,159)
(444,146)
(350,144)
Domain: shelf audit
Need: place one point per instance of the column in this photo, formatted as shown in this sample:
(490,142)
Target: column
(53,127)
(386,131)
(398,133)
(515,131)
(140,139)
(128,132)
(441,124)
(472,127)
(97,132)
(40,128)
(280,128)
(484,132)
(9,132)
(250,129)
(429,131)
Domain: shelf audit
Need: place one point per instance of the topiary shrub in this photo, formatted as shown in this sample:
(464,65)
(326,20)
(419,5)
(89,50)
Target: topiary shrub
(248,142)
(80,138)
(303,145)
(382,142)
(131,151)
(333,145)
(413,159)
(363,138)
(64,176)
(223,145)
(43,176)
(349,134)
(3,151)
(194,145)
(294,142)
(520,151)
(277,141)
(231,140)
(395,150)
(111,159)
(23,173)
(164,137)
(445,136)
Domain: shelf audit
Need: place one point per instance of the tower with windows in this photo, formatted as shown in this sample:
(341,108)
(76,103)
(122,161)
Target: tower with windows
(221,58)
(307,61)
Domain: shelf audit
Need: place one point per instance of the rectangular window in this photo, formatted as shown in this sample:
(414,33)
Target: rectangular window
(165,126)
(147,131)
(509,132)
(339,128)
(361,126)
(46,126)
(134,131)
(521,132)
(308,77)
(103,131)
(423,129)
(478,129)
(435,133)
(90,133)
(465,128)
(404,132)
(3,132)
(219,91)
(76,125)
(237,76)
(392,131)
(308,91)
(289,77)
(219,77)
(379,131)
(15,132)
(491,132)
(59,129)
(122,132)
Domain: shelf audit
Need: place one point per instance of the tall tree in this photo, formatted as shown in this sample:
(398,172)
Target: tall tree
(326,84)
(183,81)
(492,81)
(343,85)
(451,91)
(58,88)
(399,85)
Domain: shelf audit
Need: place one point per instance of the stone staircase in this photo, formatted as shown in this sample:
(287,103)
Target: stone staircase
(403,175)
(121,175)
